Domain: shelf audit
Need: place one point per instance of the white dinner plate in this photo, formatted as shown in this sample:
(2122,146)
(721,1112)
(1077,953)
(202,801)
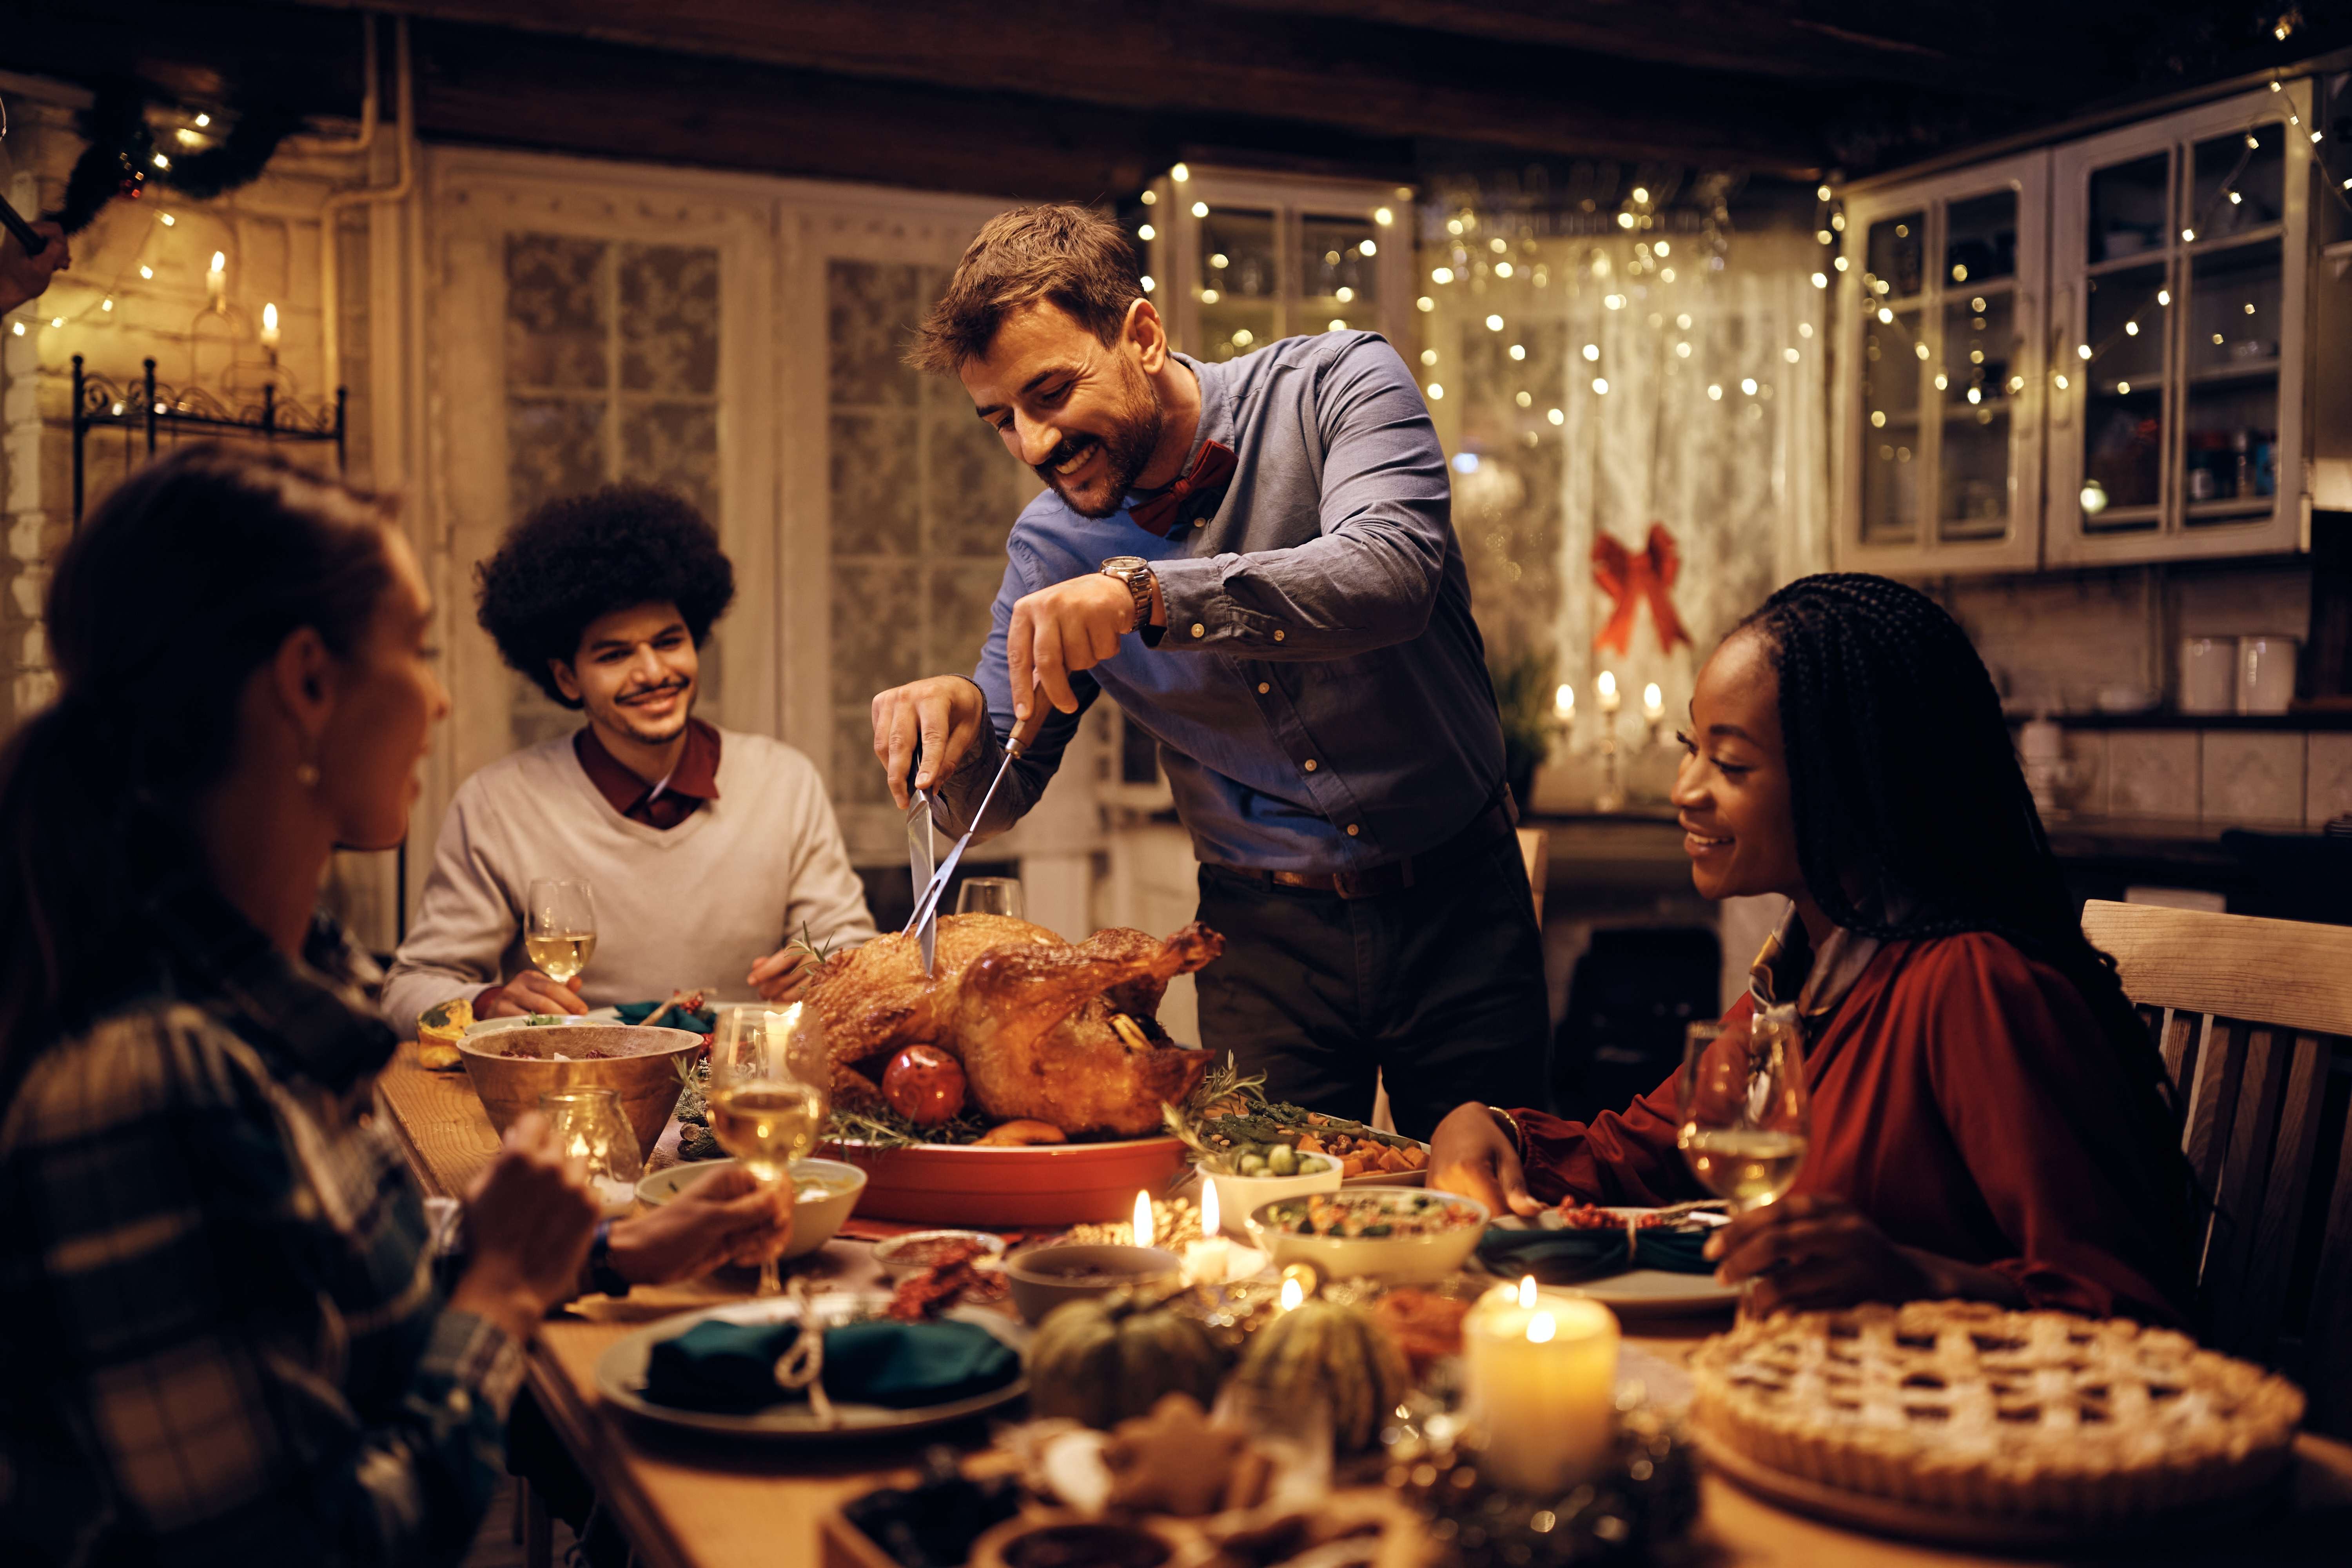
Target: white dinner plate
(1636,1291)
(621,1374)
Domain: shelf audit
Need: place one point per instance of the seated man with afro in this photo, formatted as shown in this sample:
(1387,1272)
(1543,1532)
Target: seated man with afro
(713,856)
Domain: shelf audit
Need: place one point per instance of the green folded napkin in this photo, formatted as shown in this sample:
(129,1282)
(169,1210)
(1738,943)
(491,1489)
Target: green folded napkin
(731,1367)
(1564,1256)
(701,1022)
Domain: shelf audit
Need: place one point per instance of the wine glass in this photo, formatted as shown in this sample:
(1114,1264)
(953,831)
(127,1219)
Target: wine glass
(771,1079)
(559,926)
(991,895)
(1745,1116)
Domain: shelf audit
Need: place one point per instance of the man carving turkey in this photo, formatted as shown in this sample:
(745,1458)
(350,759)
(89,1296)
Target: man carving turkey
(1284,608)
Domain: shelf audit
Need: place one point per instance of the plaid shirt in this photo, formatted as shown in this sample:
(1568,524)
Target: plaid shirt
(226,1339)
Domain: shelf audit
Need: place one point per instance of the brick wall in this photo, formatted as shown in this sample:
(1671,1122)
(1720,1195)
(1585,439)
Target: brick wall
(137,289)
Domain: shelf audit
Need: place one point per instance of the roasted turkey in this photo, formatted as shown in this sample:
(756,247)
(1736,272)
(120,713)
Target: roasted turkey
(1027,1014)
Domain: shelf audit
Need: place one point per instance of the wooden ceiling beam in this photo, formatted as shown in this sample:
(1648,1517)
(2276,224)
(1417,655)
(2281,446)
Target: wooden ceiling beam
(1964,46)
(1178,61)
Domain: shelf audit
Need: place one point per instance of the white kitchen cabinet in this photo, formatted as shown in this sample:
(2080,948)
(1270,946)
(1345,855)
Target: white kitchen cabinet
(1937,421)
(2181,264)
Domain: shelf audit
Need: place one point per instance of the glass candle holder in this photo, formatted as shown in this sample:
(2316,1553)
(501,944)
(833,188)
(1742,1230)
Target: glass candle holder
(590,1125)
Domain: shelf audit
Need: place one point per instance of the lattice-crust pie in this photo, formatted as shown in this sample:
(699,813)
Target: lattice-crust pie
(1964,1407)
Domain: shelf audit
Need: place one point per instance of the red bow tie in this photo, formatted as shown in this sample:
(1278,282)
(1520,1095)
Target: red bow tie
(1210,471)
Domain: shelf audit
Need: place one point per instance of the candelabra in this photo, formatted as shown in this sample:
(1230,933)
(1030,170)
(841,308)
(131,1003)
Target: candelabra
(1653,714)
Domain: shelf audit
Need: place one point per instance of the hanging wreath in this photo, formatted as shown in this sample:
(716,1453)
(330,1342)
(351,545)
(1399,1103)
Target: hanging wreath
(122,159)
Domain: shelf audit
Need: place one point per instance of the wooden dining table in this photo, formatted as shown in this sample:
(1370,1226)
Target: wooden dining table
(690,1501)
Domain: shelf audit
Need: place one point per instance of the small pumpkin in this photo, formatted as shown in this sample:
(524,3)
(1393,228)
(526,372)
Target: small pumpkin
(1321,1350)
(1107,1359)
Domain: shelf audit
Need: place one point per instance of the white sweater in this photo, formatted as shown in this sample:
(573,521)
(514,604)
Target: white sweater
(690,907)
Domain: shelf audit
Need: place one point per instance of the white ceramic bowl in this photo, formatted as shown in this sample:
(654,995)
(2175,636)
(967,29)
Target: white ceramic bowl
(1238,1197)
(824,1193)
(1395,1257)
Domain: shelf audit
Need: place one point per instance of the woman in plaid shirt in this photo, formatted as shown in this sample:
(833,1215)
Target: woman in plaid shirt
(231,1339)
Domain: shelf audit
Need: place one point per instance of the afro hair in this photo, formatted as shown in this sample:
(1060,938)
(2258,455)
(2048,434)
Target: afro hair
(578,559)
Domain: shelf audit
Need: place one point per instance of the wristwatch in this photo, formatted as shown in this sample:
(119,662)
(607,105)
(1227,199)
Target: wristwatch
(601,1272)
(1135,573)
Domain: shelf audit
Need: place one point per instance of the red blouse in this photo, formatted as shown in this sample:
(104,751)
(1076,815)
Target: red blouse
(1964,1098)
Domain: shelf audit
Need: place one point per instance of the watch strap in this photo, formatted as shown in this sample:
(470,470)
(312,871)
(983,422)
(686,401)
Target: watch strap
(601,1272)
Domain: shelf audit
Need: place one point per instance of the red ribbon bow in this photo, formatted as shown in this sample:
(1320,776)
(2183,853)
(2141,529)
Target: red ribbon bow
(1628,579)
(1210,470)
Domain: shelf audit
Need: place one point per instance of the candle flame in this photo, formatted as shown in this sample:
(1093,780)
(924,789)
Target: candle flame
(579,1149)
(1527,1290)
(1144,1219)
(269,317)
(1209,1214)
(1540,1329)
(220,261)
(1606,683)
(1563,701)
(1293,1293)
(1653,699)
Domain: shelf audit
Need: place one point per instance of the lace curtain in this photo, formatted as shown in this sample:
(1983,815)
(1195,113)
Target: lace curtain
(1598,385)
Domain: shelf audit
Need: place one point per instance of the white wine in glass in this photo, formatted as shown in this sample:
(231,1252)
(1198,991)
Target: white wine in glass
(1750,1168)
(1745,1116)
(769,1094)
(560,927)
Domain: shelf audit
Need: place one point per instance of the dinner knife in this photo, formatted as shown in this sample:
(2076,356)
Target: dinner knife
(1023,732)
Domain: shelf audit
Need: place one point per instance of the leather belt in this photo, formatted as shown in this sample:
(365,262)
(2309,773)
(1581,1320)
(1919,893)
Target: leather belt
(1493,823)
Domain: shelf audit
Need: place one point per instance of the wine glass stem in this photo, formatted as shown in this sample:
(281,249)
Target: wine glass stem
(769,1285)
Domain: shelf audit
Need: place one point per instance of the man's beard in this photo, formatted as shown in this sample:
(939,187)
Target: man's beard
(1135,435)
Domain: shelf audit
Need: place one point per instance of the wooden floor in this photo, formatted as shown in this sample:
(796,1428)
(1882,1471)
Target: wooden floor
(499,1544)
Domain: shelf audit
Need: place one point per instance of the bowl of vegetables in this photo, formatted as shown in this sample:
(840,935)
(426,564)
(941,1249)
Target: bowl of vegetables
(1379,1233)
(1248,1180)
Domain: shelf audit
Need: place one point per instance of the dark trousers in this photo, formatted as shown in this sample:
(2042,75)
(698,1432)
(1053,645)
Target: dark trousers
(1440,986)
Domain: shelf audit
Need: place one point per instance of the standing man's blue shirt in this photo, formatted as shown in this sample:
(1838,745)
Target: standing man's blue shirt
(1320,695)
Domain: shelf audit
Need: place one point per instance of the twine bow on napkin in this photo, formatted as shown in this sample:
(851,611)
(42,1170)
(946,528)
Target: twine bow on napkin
(1628,579)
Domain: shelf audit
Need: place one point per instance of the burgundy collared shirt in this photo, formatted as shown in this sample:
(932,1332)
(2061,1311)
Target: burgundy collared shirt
(664,805)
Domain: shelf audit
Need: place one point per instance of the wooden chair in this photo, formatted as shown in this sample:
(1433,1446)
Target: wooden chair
(2253,1018)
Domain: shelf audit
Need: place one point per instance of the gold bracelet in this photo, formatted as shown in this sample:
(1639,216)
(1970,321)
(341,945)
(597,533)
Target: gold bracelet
(1510,1126)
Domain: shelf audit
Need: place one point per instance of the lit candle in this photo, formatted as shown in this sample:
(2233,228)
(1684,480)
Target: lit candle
(1207,1259)
(1144,1219)
(1653,702)
(1540,1373)
(269,340)
(216,280)
(1563,704)
(1606,685)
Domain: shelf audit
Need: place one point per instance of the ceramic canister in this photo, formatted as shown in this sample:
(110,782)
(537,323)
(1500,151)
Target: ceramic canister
(2265,674)
(2208,675)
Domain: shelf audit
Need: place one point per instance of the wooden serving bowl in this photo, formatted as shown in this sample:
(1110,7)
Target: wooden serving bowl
(510,1069)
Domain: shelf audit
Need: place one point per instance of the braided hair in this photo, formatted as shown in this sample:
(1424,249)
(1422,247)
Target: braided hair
(1913,820)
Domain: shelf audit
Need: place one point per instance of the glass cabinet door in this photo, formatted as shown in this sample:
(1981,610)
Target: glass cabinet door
(2178,252)
(1943,278)
(1338,275)
(1241,282)
(1238,258)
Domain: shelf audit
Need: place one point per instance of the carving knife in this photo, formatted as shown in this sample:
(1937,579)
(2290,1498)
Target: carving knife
(927,908)
(921,861)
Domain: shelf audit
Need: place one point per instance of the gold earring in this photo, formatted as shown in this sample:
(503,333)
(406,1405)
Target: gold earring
(307,775)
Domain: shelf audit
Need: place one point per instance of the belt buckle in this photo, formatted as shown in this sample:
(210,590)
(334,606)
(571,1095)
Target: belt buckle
(1348,884)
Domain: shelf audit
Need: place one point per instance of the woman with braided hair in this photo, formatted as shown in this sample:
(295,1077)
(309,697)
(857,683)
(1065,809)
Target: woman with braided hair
(1990,1119)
